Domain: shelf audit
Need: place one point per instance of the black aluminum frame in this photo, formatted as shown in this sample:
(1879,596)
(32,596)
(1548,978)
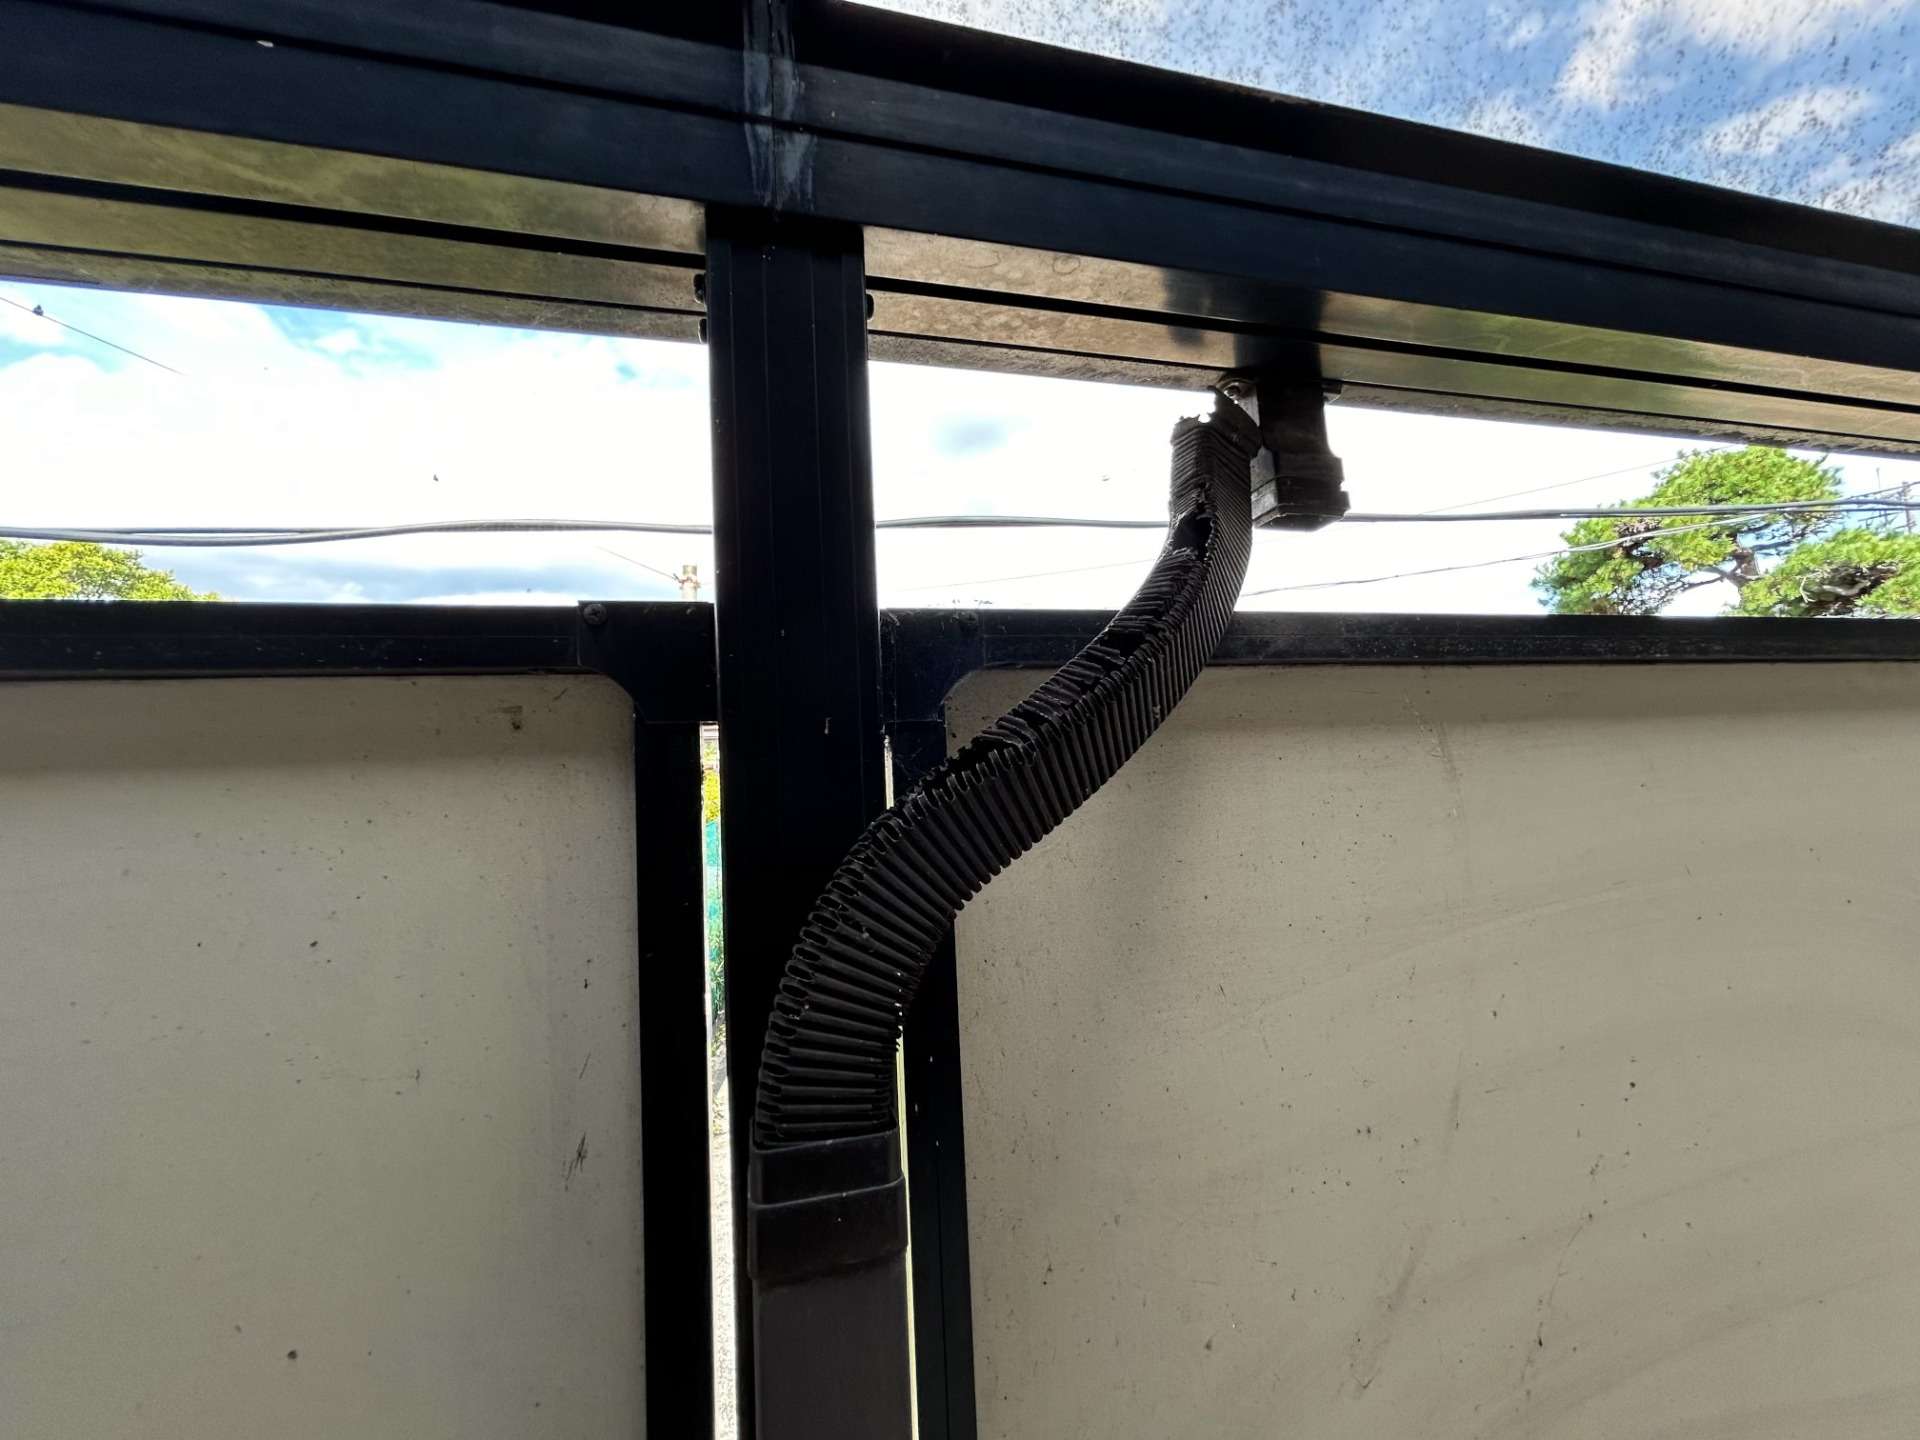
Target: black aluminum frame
(801,763)
(662,656)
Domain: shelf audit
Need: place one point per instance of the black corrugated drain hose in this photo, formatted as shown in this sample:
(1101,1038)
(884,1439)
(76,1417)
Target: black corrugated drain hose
(825,1187)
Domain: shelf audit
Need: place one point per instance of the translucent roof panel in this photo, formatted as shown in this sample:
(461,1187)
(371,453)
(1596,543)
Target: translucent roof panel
(1813,101)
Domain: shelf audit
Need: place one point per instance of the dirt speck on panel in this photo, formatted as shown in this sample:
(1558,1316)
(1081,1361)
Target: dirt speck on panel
(576,1164)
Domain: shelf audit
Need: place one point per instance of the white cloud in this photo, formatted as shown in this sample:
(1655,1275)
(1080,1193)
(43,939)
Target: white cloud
(1527,29)
(1887,189)
(38,386)
(1603,69)
(195,336)
(500,597)
(1501,117)
(23,327)
(340,342)
(1764,129)
(1830,172)
(1881,187)
(1596,72)
(1777,29)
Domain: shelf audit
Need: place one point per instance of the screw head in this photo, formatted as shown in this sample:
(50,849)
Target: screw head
(594,614)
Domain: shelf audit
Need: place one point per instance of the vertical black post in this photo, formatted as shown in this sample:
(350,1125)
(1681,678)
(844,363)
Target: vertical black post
(801,762)
(936,1157)
(674,1144)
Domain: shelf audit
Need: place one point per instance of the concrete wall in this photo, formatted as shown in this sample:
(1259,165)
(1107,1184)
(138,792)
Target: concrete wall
(318,1048)
(1460,1052)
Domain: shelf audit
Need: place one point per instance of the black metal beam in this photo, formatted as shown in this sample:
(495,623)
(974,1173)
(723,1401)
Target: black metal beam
(677,1243)
(936,1158)
(661,653)
(1333,148)
(928,652)
(801,756)
(1067,228)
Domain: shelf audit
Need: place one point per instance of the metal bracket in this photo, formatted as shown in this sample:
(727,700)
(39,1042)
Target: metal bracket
(1297,480)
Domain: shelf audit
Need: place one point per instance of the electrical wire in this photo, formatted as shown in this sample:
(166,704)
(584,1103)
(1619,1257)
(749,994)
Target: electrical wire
(1862,504)
(1486,564)
(655,569)
(1014,522)
(1866,503)
(216,538)
(190,537)
(1543,489)
(40,312)
(1620,512)
(1036,575)
(1380,517)
(242,535)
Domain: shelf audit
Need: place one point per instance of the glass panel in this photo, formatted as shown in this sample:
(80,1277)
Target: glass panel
(133,411)
(125,410)
(947,441)
(1803,100)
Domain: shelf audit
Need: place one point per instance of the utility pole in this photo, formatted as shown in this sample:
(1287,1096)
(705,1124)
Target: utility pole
(689,582)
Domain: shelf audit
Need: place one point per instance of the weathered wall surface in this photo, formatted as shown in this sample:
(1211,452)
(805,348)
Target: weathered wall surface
(318,1042)
(1460,1052)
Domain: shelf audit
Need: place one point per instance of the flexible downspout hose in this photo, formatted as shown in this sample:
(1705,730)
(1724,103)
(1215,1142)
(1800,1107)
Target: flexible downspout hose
(826,1218)
(827,1072)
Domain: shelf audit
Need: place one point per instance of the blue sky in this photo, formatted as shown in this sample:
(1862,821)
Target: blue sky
(301,417)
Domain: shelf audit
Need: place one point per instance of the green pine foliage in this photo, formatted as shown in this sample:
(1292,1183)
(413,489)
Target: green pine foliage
(1850,572)
(1795,563)
(76,570)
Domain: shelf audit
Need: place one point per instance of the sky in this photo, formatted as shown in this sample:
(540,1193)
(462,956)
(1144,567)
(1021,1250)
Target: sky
(258,415)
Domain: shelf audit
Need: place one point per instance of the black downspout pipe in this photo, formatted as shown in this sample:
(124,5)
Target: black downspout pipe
(802,768)
(827,1215)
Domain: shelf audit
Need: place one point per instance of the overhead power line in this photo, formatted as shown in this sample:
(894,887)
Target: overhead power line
(221,537)
(1557,485)
(1868,502)
(40,312)
(1311,584)
(1035,575)
(1622,512)
(1381,517)
(1486,564)
(245,536)
(242,537)
(1869,506)
(655,569)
